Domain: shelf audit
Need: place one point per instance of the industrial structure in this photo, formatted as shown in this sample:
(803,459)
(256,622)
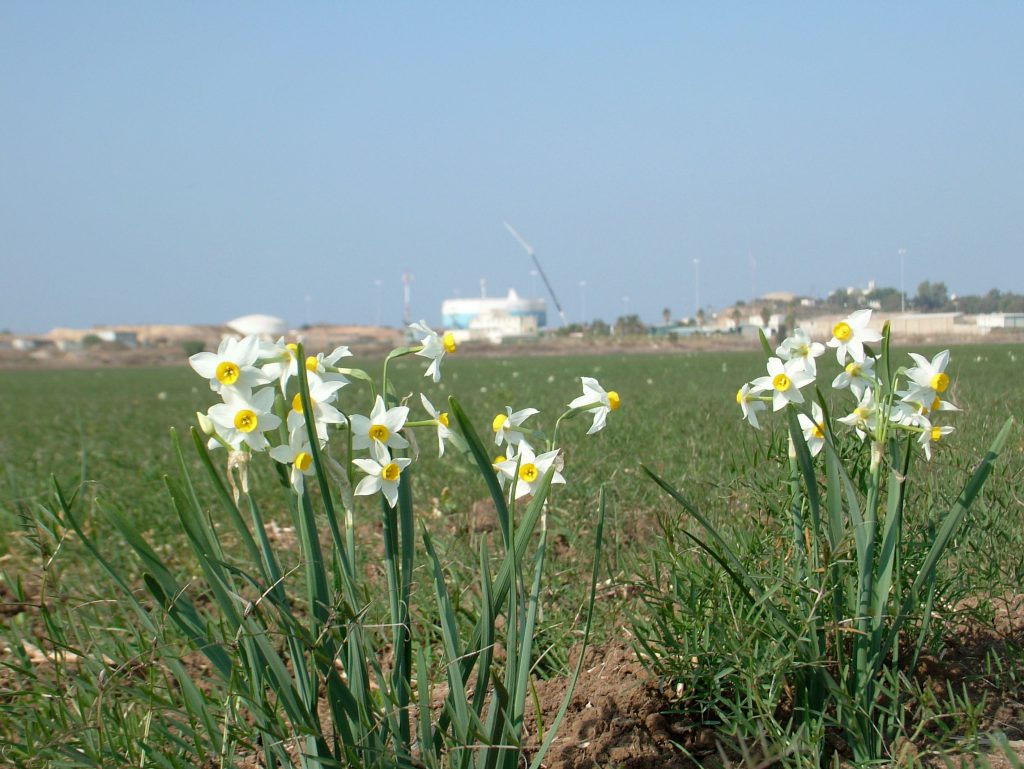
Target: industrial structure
(460,313)
(494,318)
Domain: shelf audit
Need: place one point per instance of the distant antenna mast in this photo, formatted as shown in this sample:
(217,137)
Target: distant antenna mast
(483,288)
(407,298)
(529,249)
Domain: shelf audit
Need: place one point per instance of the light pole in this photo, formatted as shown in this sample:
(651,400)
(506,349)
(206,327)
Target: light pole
(583,302)
(903,280)
(696,287)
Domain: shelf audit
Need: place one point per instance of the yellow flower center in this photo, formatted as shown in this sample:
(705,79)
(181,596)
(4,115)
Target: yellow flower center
(781,382)
(448,340)
(740,397)
(391,472)
(842,331)
(861,413)
(936,433)
(613,400)
(940,382)
(292,348)
(312,364)
(297,402)
(303,461)
(246,420)
(379,433)
(853,368)
(936,403)
(443,418)
(819,430)
(228,372)
(528,472)
(499,459)
(498,422)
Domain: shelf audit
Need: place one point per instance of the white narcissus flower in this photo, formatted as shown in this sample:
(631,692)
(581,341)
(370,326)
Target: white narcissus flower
(232,366)
(321,365)
(600,402)
(932,434)
(857,376)
(434,346)
(282,362)
(441,417)
(915,407)
(295,453)
(750,404)
(864,418)
(940,405)
(813,429)
(849,336)
(923,400)
(929,376)
(910,414)
(799,347)
(382,474)
(527,470)
(243,417)
(784,381)
(322,394)
(381,427)
(496,464)
(505,426)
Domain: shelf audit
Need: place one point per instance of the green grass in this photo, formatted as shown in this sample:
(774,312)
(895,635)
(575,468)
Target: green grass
(104,433)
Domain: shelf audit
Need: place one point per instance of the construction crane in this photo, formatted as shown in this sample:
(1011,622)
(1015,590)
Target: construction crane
(529,250)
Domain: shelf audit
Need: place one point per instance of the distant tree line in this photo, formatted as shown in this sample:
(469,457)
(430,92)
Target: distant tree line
(930,297)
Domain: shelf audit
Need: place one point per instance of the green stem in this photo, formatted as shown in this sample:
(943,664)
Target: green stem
(863,688)
(570,414)
(397,353)
(422,423)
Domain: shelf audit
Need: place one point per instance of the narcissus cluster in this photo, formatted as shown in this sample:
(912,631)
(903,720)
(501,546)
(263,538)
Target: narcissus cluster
(909,399)
(262,409)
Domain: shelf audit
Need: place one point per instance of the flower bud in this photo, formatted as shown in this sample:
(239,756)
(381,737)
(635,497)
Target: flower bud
(205,423)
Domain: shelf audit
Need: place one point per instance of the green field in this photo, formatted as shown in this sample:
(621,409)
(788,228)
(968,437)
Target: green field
(104,435)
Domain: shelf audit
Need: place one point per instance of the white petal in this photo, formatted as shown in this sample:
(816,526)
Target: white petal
(367,466)
(369,485)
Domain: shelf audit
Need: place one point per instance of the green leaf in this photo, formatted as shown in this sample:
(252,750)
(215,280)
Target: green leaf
(484,463)
(552,729)
(724,555)
(449,634)
(926,574)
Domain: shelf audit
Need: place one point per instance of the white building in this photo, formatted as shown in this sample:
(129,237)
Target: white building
(264,326)
(459,313)
(127,338)
(1001,320)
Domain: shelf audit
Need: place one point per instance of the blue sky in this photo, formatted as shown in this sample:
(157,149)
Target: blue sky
(192,162)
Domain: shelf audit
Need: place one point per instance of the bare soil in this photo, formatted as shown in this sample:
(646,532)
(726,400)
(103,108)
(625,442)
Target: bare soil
(619,717)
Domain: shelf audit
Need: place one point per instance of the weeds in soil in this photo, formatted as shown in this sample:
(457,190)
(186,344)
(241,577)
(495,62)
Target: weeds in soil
(84,681)
(828,638)
(303,669)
